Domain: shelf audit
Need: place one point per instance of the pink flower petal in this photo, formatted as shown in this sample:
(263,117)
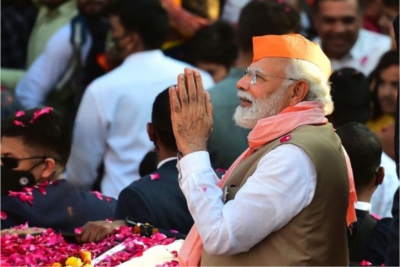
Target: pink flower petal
(365,263)
(154,176)
(78,231)
(204,189)
(173,231)
(108,199)
(98,194)
(19,123)
(364,60)
(19,113)
(375,216)
(110,220)
(41,190)
(3,215)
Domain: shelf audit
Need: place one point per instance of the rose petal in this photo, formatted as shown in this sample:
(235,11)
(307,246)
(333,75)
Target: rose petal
(154,176)
(41,190)
(19,123)
(78,230)
(173,231)
(3,215)
(19,113)
(108,199)
(204,189)
(98,194)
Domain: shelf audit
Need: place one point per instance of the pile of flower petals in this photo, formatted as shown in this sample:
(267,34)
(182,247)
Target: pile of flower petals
(31,250)
(135,245)
(50,247)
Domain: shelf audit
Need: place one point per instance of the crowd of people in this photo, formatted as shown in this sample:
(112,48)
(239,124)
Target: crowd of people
(261,131)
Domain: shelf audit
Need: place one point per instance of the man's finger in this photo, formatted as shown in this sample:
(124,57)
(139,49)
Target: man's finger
(182,92)
(86,229)
(101,235)
(209,107)
(191,86)
(199,87)
(174,102)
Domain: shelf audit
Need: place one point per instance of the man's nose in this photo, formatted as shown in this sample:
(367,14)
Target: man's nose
(339,27)
(243,83)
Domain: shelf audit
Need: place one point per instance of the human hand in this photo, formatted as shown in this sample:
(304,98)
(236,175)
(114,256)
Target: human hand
(30,230)
(97,231)
(191,113)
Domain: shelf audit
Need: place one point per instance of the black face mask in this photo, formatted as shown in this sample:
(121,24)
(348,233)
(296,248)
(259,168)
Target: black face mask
(15,180)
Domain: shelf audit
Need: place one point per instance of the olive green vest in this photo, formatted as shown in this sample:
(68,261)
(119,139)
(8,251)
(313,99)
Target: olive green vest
(317,235)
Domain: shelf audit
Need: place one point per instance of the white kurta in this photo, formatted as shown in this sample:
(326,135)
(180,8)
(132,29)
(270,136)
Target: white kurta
(110,126)
(282,186)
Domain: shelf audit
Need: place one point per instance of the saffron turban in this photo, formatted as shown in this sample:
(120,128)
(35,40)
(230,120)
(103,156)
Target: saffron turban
(291,46)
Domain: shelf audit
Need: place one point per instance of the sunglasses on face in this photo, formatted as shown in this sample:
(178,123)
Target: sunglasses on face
(12,163)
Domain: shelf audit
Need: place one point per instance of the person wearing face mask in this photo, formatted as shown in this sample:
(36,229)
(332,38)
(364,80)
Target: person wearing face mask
(35,146)
(110,125)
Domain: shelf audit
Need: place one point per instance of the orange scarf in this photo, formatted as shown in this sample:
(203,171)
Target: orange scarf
(267,130)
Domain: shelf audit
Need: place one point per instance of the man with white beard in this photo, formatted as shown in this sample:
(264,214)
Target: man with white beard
(286,200)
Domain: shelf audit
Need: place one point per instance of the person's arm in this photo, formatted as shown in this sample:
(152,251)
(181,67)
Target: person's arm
(46,71)
(89,141)
(282,185)
(13,212)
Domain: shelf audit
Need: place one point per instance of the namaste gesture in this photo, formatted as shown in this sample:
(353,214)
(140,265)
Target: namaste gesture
(191,112)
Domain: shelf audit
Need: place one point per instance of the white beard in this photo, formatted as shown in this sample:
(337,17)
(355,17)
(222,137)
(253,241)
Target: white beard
(263,107)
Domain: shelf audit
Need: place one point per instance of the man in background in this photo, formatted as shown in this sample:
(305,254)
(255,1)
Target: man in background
(368,238)
(53,14)
(68,64)
(338,24)
(110,126)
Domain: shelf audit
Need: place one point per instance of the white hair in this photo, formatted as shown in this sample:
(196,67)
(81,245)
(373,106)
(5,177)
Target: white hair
(319,87)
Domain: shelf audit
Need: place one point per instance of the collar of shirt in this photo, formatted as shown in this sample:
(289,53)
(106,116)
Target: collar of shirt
(360,205)
(144,56)
(165,161)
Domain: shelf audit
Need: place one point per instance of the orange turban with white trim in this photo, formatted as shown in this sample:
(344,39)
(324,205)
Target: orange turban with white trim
(291,46)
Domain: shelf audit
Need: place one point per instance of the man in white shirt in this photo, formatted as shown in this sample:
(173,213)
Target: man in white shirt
(280,200)
(110,126)
(338,24)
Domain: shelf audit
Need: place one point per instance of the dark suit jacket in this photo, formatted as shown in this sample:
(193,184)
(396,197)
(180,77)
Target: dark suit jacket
(375,251)
(158,202)
(63,208)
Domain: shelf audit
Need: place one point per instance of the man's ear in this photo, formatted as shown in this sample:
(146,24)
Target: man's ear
(150,131)
(49,167)
(380,174)
(298,93)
